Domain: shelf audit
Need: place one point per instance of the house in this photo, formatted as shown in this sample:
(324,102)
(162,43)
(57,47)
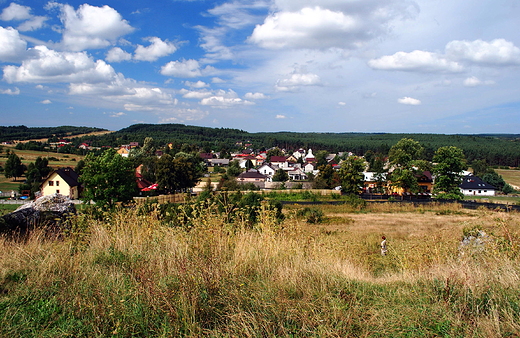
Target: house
(251,176)
(297,174)
(310,158)
(123,151)
(309,168)
(218,162)
(374,183)
(474,186)
(62,181)
(280,161)
(267,170)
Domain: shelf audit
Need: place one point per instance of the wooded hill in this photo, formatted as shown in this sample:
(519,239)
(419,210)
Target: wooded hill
(22,133)
(502,150)
(496,149)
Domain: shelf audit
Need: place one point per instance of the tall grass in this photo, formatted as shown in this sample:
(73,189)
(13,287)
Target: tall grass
(129,274)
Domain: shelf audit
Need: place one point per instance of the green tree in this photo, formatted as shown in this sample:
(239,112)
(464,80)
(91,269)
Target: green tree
(327,178)
(273,152)
(234,169)
(178,173)
(351,175)
(406,160)
(108,179)
(280,176)
(13,167)
(450,163)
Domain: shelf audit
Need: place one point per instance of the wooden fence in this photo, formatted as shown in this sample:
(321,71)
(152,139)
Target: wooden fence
(174,198)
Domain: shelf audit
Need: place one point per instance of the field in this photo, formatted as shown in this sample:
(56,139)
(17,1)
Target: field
(130,274)
(28,156)
(510,176)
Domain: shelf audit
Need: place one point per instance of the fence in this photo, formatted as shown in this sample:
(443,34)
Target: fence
(174,198)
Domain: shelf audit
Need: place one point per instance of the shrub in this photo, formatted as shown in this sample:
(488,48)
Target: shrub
(311,215)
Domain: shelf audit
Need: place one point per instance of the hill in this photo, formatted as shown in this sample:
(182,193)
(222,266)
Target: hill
(501,150)
(23,133)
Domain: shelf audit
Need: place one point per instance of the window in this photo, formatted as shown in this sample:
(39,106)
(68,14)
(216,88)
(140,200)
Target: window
(51,183)
(57,191)
(57,183)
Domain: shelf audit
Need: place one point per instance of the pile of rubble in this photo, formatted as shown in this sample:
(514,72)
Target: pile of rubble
(47,211)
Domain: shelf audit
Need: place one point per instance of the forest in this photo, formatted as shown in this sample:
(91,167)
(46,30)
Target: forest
(495,149)
(22,133)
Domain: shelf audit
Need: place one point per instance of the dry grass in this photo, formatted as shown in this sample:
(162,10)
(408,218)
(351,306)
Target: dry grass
(129,275)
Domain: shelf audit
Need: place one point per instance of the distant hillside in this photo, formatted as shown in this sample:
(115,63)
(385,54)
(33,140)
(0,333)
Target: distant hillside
(21,133)
(497,149)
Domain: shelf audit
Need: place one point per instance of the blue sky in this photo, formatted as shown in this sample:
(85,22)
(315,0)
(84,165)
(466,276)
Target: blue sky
(424,66)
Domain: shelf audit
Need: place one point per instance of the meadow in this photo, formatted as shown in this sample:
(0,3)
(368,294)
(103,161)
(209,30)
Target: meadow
(133,273)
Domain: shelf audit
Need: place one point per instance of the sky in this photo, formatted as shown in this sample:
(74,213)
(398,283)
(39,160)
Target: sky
(423,66)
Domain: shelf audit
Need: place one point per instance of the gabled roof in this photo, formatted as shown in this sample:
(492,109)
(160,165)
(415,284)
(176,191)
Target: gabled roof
(278,159)
(68,175)
(251,174)
(475,183)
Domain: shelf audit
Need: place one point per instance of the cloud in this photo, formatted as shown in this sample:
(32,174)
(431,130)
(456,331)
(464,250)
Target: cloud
(35,23)
(195,94)
(15,12)
(279,116)
(296,80)
(12,47)
(198,84)
(417,61)
(157,49)
(116,54)
(46,102)
(53,66)
(255,96)
(185,68)
(223,99)
(328,24)
(498,52)
(409,101)
(10,91)
(217,80)
(474,82)
(90,26)
(342,103)
(182,114)
(119,114)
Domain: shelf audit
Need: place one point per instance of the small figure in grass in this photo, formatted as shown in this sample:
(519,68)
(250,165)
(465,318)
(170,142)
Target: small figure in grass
(384,249)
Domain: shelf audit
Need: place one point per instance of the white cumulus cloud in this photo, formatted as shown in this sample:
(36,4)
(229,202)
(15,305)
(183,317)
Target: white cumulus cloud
(15,12)
(157,49)
(496,52)
(255,96)
(12,47)
(46,102)
(90,26)
(417,60)
(10,91)
(296,80)
(409,101)
(116,54)
(474,82)
(185,68)
(52,66)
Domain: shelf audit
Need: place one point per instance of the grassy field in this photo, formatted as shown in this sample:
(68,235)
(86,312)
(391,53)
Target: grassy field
(128,274)
(510,176)
(28,156)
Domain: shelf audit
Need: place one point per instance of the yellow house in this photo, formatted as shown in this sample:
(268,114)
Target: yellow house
(62,181)
(123,152)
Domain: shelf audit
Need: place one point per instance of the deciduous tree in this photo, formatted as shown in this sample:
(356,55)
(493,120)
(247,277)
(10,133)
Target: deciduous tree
(450,163)
(108,179)
(351,175)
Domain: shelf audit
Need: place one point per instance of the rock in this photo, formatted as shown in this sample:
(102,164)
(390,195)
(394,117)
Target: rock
(48,212)
(475,243)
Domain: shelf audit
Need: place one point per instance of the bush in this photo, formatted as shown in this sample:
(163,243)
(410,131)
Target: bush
(311,215)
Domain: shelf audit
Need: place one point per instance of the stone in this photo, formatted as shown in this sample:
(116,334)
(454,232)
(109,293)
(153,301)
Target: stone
(47,212)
